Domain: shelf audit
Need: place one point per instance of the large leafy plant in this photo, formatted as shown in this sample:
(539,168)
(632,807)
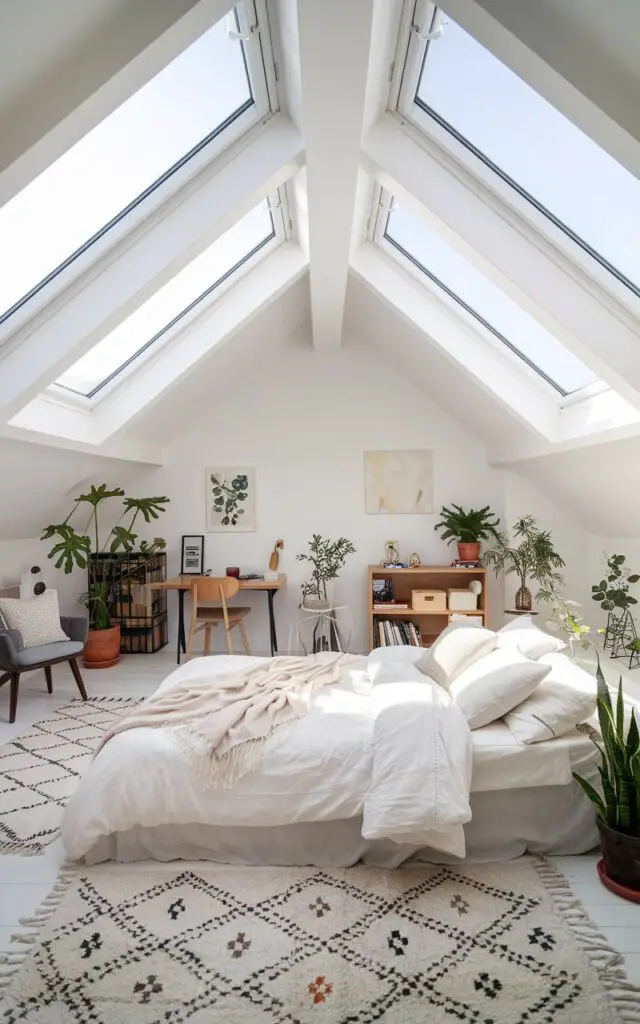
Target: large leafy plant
(327,557)
(467,527)
(533,558)
(612,592)
(75,547)
(619,803)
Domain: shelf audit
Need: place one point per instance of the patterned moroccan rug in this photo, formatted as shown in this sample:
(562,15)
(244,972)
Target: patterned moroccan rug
(211,944)
(40,770)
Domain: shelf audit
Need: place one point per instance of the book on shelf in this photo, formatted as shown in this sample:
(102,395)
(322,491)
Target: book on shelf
(385,606)
(397,633)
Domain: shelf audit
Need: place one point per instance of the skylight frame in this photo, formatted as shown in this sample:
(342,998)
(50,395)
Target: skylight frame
(259,62)
(155,347)
(382,206)
(544,228)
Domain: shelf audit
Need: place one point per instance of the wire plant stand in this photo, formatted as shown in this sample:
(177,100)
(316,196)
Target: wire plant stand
(619,634)
(321,629)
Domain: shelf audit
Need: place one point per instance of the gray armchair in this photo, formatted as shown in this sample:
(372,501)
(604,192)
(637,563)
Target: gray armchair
(15,658)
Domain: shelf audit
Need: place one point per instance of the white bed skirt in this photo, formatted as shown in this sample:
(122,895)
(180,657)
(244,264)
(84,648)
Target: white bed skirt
(505,824)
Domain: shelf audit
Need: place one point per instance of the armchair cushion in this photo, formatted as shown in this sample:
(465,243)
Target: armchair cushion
(37,619)
(10,645)
(75,626)
(48,652)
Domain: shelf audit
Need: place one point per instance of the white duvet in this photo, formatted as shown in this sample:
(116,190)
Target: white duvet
(397,752)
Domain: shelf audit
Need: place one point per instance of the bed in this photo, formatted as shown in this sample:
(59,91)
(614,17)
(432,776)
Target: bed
(305,804)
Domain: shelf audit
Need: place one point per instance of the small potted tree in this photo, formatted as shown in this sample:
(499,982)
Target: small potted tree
(327,557)
(534,558)
(468,529)
(86,550)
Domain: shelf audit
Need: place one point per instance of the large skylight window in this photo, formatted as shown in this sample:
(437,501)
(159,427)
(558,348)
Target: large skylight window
(169,307)
(504,320)
(186,107)
(529,144)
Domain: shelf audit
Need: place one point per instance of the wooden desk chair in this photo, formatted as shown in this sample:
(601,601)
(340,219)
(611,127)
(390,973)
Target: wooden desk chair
(203,616)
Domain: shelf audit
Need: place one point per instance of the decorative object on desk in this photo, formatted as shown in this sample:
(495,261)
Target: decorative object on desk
(612,594)
(327,557)
(399,482)
(112,565)
(192,561)
(534,558)
(391,553)
(32,583)
(468,529)
(231,500)
(274,561)
(414,560)
(233,570)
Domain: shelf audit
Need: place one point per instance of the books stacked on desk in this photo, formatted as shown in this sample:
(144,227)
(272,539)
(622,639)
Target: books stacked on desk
(458,563)
(398,633)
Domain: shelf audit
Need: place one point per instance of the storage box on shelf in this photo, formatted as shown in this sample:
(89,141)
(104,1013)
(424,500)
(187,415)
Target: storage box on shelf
(424,622)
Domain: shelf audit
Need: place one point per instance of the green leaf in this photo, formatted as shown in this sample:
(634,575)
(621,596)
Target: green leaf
(149,508)
(99,494)
(633,578)
(620,713)
(633,738)
(122,538)
(72,548)
(593,795)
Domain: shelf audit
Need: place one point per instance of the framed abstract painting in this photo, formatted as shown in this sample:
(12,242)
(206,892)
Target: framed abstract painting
(399,482)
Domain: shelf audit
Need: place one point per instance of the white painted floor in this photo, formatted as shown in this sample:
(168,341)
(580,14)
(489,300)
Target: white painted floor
(25,881)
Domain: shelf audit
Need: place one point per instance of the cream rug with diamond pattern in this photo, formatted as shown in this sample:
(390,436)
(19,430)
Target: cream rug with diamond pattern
(40,770)
(212,944)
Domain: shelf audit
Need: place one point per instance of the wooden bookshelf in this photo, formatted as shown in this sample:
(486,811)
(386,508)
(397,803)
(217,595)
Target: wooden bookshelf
(423,577)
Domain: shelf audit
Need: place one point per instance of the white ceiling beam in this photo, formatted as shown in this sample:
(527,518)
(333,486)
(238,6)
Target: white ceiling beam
(147,257)
(564,54)
(588,320)
(127,47)
(179,356)
(335,44)
(458,341)
(125,448)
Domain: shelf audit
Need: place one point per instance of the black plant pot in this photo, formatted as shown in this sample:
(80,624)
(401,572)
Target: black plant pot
(621,855)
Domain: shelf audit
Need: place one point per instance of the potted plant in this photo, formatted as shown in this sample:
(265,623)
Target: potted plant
(618,805)
(468,529)
(612,594)
(534,558)
(86,550)
(327,557)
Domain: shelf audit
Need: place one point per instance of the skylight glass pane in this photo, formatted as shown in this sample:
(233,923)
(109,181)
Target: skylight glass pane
(60,212)
(507,321)
(170,303)
(531,144)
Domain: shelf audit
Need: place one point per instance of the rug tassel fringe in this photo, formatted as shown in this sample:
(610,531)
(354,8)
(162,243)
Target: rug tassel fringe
(12,960)
(607,961)
(18,849)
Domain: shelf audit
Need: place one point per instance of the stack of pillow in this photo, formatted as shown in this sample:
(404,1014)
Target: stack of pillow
(517,674)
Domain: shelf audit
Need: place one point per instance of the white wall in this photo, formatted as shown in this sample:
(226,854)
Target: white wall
(303,421)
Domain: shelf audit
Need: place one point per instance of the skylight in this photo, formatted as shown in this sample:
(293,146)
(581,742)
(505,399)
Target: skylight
(113,168)
(534,148)
(171,304)
(495,311)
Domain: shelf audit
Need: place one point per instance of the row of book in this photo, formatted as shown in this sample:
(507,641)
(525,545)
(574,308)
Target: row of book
(394,634)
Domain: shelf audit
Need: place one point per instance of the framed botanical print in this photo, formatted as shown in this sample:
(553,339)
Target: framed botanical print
(231,500)
(192,560)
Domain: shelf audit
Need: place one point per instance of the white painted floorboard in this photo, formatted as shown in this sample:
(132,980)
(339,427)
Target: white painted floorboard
(25,881)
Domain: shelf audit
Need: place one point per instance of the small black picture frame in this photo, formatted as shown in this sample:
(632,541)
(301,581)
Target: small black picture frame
(192,560)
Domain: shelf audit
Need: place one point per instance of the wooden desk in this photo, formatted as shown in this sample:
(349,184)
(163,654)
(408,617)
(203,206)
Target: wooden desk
(184,583)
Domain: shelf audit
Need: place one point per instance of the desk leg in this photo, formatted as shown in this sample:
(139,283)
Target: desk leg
(272,623)
(182,640)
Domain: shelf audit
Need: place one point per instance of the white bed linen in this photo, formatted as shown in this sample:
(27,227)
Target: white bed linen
(318,769)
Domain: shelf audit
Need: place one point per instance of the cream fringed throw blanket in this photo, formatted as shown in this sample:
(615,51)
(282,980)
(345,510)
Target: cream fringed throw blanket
(222,721)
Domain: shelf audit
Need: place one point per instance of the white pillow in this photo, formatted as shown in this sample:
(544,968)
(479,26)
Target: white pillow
(494,685)
(37,619)
(523,635)
(564,698)
(394,672)
(408,654)
(457,647)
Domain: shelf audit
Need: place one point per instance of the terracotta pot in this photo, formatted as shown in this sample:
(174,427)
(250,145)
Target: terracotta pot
(621,855)
(102,649)
(468,552)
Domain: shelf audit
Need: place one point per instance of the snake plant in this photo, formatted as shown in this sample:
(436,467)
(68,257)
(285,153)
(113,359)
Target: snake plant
(619,803)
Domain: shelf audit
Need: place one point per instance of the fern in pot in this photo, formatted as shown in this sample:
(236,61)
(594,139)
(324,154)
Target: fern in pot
(468,529)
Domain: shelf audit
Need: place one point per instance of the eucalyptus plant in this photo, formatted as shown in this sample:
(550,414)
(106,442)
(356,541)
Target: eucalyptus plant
(80,547)
(327,557)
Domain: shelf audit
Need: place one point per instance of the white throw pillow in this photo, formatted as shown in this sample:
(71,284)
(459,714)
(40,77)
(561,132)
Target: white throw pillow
(523,635)
(394,672)
(494,685)
(564,698)
(405,653)
(37,619)
(457,647)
